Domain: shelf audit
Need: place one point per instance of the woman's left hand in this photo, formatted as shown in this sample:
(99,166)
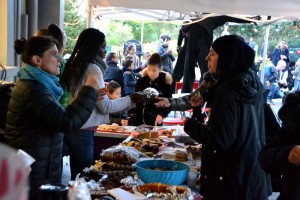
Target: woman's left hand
(158,120)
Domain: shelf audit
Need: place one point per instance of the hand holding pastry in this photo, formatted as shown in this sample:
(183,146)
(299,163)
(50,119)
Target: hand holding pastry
(196,99)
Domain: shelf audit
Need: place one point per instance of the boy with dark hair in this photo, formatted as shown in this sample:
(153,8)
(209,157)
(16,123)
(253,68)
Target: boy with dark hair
(114,92)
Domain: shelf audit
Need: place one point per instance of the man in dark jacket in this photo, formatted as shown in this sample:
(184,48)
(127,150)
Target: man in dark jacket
(282,155)
(281,53)
(113,72)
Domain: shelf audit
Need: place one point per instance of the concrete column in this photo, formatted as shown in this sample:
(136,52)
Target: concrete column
(51,12)
(7,32)
(32,11)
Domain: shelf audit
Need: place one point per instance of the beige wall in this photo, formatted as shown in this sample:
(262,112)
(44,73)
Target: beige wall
(3,32)
(47,13)
(6,32)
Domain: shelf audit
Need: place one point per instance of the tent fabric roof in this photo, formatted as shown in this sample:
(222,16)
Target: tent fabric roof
(287,8)
(120,13)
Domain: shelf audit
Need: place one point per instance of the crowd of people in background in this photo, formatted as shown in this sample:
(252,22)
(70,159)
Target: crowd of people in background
(281,76)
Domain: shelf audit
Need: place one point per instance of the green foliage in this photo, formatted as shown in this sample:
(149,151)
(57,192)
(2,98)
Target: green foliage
(118,33)
(278,31)
(74,23)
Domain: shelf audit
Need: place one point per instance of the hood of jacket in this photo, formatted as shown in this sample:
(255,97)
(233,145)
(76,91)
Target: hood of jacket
(111,64)
(245,87)
(235,56)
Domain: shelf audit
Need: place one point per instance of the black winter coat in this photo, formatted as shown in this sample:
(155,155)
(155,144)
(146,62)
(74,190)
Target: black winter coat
(163,85)
(232,141)
(35,122)
(113,72)
(274,156)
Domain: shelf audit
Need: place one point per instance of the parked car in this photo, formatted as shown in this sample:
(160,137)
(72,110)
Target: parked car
(294,48)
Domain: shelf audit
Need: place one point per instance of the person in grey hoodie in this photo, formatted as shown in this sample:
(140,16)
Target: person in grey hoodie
(166,54)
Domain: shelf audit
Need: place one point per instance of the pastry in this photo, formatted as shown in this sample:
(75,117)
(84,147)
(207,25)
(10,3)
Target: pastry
(180,156)
(159,188)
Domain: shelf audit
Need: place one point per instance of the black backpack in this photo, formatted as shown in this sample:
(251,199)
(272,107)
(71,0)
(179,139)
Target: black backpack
(5,95)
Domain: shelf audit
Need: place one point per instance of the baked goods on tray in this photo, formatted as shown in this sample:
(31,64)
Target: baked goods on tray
(159,188)
(111,128)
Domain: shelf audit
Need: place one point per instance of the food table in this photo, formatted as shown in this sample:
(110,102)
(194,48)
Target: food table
(175,143)
(106,139)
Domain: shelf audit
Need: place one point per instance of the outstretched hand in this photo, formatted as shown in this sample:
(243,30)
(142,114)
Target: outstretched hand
(163,102)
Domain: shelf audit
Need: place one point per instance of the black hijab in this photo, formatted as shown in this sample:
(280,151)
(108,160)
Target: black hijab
(235,56)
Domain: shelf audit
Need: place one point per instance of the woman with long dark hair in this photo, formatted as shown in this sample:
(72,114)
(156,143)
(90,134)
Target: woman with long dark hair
(87,58)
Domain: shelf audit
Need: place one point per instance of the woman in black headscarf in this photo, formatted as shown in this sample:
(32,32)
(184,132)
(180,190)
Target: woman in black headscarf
(235,133)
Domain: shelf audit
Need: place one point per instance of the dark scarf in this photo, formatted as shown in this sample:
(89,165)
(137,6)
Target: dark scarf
(100,63)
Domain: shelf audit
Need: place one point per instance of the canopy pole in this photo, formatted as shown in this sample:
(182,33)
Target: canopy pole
(266,41)
(142,32)
(89,18)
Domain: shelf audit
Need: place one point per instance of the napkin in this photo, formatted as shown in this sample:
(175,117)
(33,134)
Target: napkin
(121,194)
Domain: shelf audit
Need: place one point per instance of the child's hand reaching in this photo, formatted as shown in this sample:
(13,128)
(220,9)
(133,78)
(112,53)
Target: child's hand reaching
(196,100)
(158,120)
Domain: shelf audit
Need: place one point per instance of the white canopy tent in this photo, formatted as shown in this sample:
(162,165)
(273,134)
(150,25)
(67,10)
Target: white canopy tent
(172,10)
(287,8)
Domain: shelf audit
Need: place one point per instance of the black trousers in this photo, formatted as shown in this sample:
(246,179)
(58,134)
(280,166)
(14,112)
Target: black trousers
(198,45)
(179,67)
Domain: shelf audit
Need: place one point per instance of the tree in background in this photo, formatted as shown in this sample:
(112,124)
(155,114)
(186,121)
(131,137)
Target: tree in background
(278,31)
(74,21)
(118,33)
(152,30)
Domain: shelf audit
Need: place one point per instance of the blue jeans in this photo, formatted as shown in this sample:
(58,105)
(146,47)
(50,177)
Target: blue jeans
(275,91)
(81,149)
(296,85)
